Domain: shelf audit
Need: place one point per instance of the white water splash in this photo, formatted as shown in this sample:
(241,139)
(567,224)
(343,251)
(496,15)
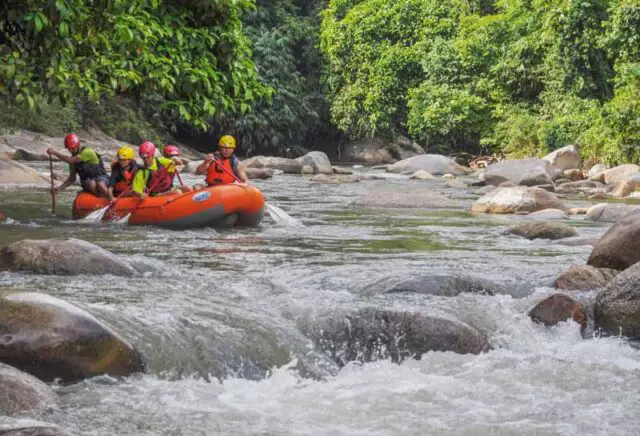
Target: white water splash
(281,217)
(96,215)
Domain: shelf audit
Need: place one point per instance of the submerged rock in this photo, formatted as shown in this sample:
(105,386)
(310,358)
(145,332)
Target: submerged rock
(52,339)
(548,214)
(617,308)
(446,285)
(62,257)
(422,175)
(21,392)
(609,212)
(619,248)
(583,277)
(415,196)
(558,308)
(542,230)
(371,334)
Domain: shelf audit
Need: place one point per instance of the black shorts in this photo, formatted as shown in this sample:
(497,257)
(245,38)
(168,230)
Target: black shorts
(85,182)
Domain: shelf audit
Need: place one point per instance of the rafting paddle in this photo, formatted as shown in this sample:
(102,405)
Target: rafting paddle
(53,191)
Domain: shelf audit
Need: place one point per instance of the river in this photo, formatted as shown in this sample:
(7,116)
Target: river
(220,317)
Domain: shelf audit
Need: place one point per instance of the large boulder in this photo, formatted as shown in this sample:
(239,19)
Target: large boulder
(432,163)
(12,172)
(259,173)
(609,212)
(617,307)
(547,214)
(317,160)
(626,187)
(517,199)
(53,339)
(62,257)
(619,248)
(20,392)
(596,169)
(542,230)
(620,173)
(558,308)
(418,196)
(377,151)
(583,277)
(289,166)
(565,158)
(527,172)
(371,334)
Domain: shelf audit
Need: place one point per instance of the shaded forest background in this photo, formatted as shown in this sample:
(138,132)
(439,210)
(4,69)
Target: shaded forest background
(521,77)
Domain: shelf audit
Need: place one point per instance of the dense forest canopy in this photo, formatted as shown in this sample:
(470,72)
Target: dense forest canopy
(516,76)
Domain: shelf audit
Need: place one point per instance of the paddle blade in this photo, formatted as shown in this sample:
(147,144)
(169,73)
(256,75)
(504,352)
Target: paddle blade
(280,216)
(96,215)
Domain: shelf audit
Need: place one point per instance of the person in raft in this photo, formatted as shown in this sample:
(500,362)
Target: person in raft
(156,176)
(223,167)
(122,173)
(172,152)
(83,162)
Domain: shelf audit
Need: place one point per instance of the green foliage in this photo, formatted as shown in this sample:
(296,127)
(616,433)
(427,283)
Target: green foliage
(50,118)
(193,55)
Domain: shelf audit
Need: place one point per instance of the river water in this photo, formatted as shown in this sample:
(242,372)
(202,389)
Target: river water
(220,317)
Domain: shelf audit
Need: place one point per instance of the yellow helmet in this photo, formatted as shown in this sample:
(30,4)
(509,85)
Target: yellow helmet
(227,141)
(126,153)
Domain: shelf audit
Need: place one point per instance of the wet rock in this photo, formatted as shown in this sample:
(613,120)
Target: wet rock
(619,248)
(21,392)
(577,241)
(289,166)
(415,196)
(596,169)
(318,161)
(578,210)
(336,178)
(341,170)
(442,285)
(528,172)
(550,188)
(617,308)
(583,277)
(12,172)
(62,257)
(548,214)
(573,174)
(307,169)
(422,175)
(620,173)
(558,308)
(517,199)
(542,230)
(564,158)
(52,339)
(432,163)
(484,190)
(259,173)
(35,431)
(623,189)
(448,176)
(609,213)
(456,184)
(372,334)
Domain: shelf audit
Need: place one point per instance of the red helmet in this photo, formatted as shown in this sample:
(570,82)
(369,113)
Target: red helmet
(170,151)
(71,142)
(147,148)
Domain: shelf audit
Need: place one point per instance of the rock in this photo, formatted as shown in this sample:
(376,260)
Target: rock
(259,173)
(484,190)
(289,166)
(623,189)
(577,241)
(528,172)
(3,217)
(517,199)
(583,277)
(619,247)
(565,158)
(617,307)
(596,169)
(549,188)
(12,172)
(341,170)
(456,184)
(21,392)
(620,173)
(35,431)
(338,178)
(372,334)
(307,169)
(433,163)
(422,175)
(548,214)
(62,257)
(582,184)
(448,176)
(52,339)
(438,284)
(577,210)
(318,161)
(377,151)
(415,196)
(598,196)
(573,174)
(558,308)
(608,212)
(542,230)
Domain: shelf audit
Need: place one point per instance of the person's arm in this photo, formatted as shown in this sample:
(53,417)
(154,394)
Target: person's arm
(64,157)
(242,175)
(139,184)
(70,180)
(204,166)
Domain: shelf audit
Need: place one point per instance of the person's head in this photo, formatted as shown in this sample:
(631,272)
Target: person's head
(125,156)
(227,145)
(72,143)
(170,151)
(146,151)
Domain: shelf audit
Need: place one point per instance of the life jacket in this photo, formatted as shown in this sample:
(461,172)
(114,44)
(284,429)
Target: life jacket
(88,171)
(160,180)
(220,171)
(124,177)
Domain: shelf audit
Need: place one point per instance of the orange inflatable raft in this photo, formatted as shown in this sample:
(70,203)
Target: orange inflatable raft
(218,206)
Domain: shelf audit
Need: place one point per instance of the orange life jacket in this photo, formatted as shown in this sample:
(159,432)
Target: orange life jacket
(221,172)
(124,177)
